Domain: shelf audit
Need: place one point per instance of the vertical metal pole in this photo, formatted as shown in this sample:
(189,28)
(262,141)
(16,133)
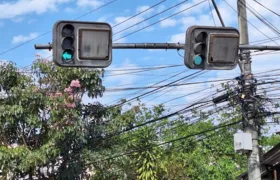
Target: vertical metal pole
(248,108)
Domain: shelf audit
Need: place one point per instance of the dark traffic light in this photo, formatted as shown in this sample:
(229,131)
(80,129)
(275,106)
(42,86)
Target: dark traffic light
(82,44)
(211,47)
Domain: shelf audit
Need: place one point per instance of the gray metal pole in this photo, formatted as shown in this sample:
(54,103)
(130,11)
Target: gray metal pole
(242,22)
(249,90)
(166,46)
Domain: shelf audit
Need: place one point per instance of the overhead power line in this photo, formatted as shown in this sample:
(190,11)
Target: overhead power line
(267,8)
(171,88)
(250,23)
(149,92)
(102,6)
(160,20)
(151,87)
(261,18)
(161,81)
(146,68)
(166,142)
(178,112)
(139,70)
(151,17)
(210,9)
(123,69)
(139,13)
(262,41)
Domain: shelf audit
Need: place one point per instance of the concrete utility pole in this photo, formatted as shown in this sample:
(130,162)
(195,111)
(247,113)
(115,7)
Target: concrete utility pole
(249,90)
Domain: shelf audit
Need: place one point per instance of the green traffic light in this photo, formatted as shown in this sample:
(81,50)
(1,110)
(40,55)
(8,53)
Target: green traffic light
(197,60)
(67,55)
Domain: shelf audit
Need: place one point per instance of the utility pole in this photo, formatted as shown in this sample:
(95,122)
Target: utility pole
(249,91)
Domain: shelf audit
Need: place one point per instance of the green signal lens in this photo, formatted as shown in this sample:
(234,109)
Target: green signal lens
(67,55)
(197,60)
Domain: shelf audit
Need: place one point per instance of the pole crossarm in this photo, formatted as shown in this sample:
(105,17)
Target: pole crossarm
(261,48)
(166,46)
(148,46)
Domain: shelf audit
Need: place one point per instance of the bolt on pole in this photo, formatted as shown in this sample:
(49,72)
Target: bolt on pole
(249,91)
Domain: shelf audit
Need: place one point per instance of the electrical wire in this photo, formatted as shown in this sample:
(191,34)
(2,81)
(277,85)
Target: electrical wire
(159,21)
(267,8)
(262,41)
(170,89)
(250,22)
(177,112)
(151,17)
(149,92)
(128,71)
(166,142)
(149,68)
(139,13)
(261,18)
(210,8)
(161,81)
(265,53)
(189,122)
(171,85)
(139,71)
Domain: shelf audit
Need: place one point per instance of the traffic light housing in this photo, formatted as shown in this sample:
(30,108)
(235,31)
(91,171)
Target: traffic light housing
(212,48)
(82,44)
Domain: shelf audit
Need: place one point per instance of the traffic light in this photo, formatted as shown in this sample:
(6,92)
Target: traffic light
(213,48)
(82,44)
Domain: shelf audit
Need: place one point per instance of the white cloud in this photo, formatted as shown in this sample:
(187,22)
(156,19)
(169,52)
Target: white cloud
(89,3)
(168,23)
(188,21)
(45,54)
(69,10)
(132,23)
(30,21)
(196,10)
(22,7)
(22,38)
(124,79)
(143,8)
(19,19)
(113,79)
(178,38)
(160,8)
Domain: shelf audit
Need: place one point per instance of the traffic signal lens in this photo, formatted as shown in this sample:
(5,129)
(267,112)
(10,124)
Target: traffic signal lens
(68,30)
(197,60)
(199,48)
(67,55)
(67,43)
(201,37)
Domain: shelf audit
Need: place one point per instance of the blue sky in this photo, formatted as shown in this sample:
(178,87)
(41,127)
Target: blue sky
(22,20)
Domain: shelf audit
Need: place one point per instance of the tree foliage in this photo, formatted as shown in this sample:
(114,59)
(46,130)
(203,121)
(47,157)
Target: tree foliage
(47,132)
